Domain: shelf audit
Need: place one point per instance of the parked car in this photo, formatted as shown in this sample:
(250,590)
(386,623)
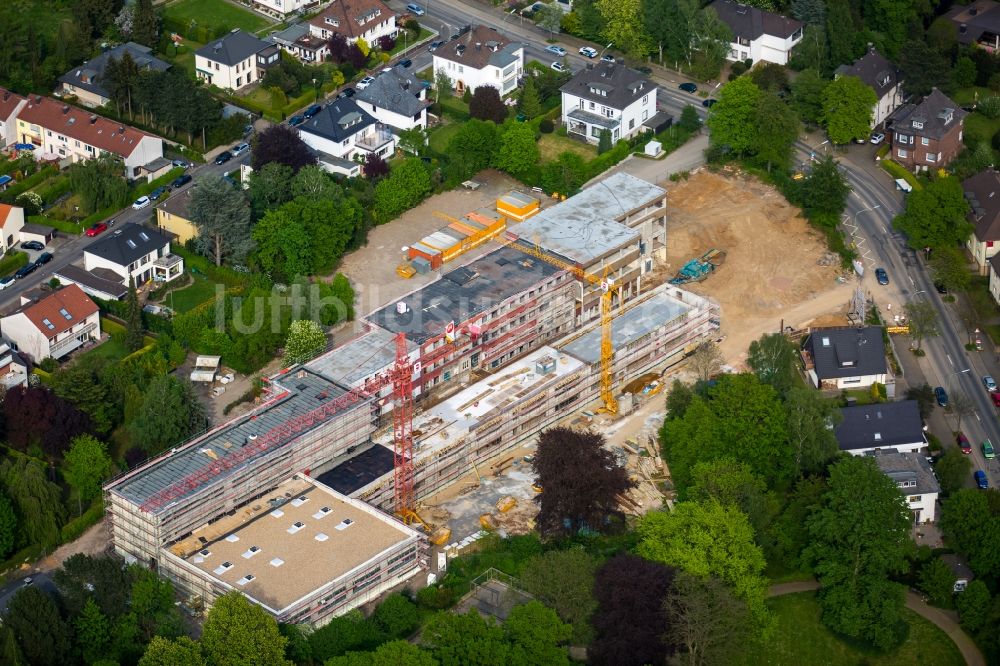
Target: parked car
(365,82)
(688,87)
(180,163)
(223,157)
(990,384)
(436,44)
(555,48)
(877,138)
(295,121)
(311,111)
(33,245)
(981,481)
(346,93)
(607,57)
(179,181)
(415,9)
(240,149)
(25,271)
(142,202)
(963,443)
(405,62)
(881,276)
(558,66)
(941,396)
(43,258)
(158,192)
(988,451)
(98,228)
(6,282)
(996,399)
(709,103)
(940,288)
(588,51)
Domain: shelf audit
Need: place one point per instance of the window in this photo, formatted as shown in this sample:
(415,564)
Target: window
(932,157)
(296,527)
(48,324)
(223,568)
(246,579)
(924,141)
(645,115)
(918,124)
(591,105)
(903,153)
(914,498)
(631,123)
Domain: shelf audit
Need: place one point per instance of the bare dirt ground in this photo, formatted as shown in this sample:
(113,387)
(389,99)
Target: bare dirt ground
(93,542)
(771,270)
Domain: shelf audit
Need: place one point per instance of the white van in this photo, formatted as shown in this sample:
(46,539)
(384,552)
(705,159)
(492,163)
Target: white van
(901,184)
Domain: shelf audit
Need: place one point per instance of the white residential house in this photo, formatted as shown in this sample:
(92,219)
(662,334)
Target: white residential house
(757,34)
(481,57)
(607,96)
(13,368)
(282,8)
(136,251)
(11,223)
(846,357)
(10,105)
(396,99)
(994,269)
(235,60)
(916,481)
(982,191)
(343,134)
(883,77)
(353,20)
(886,426)
(53,326)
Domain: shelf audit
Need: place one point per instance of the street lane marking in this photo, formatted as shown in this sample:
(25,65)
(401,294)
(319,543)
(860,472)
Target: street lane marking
(947,356)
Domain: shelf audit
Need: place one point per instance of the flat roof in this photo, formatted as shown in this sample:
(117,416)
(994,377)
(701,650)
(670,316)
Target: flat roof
(519,199)
(354,474)
(337,535)
(584,228)
(349,364)
(639,320)
(463,293)
(296,393)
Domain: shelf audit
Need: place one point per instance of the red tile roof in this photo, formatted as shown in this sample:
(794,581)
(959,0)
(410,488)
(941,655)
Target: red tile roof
(347,13)
(5,210)
(82,125)
(8,101)
(71,299)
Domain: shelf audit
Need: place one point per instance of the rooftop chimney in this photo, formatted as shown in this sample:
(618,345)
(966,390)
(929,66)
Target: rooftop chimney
(65,109)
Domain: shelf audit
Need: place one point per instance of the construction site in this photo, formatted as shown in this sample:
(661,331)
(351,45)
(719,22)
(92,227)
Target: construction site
(561,321)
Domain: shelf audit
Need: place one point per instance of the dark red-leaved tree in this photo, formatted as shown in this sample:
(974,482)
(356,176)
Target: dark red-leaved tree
(487,105)
(281,144)
(38,417)
(580,480)
(339,48)
(630,620)
(375,167)
(386,43)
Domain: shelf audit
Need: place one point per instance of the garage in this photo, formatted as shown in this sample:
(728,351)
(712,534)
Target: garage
(37,232)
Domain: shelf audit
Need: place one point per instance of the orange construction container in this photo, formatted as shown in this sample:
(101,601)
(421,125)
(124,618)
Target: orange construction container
(517,205)
(433,255)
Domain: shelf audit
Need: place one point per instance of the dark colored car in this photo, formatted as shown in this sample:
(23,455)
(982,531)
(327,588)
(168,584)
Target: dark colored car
(981,481)
(158,192)
(32,245)
(180,181)
(688,87)
(436,45)
(43,258)
(963,443)
(296,120)
(709,103)
(25,271)
(405,62)
(941,396)
(940,288)
(223,157)
(346,92)
(881,276)
(312,111)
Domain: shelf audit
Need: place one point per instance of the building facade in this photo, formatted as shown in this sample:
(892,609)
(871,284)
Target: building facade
(846,358)
(11,223)
(481,57)
(10,105)
(53,326)
(235,61)
(883,77)
(172,216)
(368,20)
(982,191)
(928,135)
(758,34)
(343,134)
(86,82)
(396,99)
(915,479)
(607,96)
(136,252)
(888,426)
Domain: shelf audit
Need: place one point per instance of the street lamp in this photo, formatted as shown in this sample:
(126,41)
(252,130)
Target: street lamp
(812,151)
(315,90)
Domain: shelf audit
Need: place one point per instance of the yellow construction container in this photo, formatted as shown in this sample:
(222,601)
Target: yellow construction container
(505,504)
(405,270)
(486,520)
(517,205)
(440,536)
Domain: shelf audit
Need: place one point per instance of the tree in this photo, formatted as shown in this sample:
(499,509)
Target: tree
(961,405)
(973,605)
(935,216)
(30,201)
(222,216)
(170,413)
(859,537)
(518,152)
(442,85)
(952,470)
(165,652)
(283,245)
(397,616)
(707,623)
(39,417)
(393,653)
(731,483)
(772,358)
(965,69)
(950,268)
(604,143)
(770,77)
(711,39)
(238,631)
(413,140)
(528,102)
(564,175)
(731,121)
(146,24)
(924,68)
(86,465)
(549,18)
(471,148)
(922,318)
(305,340)
(40,631)
(847,109)
(970,524)
(690,120)
(579,491)
(807,95)
(812,440)
(375,167)
(269,187)
(787,534)
(937,581)
(282,144)
(777,129)
(536,635)
(8,526)
(670,24)
(133,318)
(99,182)
(564,581)
(708,539)
(92,634)
(487,105)
(924,395)
(408,183)
(623,25)
(38,501)
(466,639)
(825,189)
(811,12)
(706,360)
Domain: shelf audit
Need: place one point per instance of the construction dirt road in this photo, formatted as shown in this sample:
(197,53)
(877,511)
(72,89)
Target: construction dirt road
(774,265)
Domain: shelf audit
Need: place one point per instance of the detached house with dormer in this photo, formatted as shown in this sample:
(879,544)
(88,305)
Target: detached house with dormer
(927,135)
(133,251)
(876,72)
(915,479)
(885,426)
(235,60)
(353,20)
(607,96)
(757,34)
(481,57)
(53,326)
(982,192)
(343,134)
(86,81)
(396,99)
(977,24)
(846,357)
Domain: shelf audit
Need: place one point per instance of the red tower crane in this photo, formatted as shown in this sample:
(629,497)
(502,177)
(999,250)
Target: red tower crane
(402,432)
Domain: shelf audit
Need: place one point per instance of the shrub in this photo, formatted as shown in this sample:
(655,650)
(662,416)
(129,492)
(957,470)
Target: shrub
(546,126)
(15,259)
(31,202)
(989,107)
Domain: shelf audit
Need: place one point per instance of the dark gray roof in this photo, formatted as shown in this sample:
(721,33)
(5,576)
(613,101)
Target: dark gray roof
(958,566)
(177,203)
(906,468)
(339,120)
(234,47)
(609,84)
(847,352)
(481,46)
(92,283)
(394,91)
(751,23)
(452,297)
(88,75)
(875,71)
(982,191)
(974,20)
(129,243)
(937,113)
(883,425)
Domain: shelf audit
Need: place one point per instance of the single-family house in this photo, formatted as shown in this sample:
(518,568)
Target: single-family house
(395,98)
(607,96)
(99,283)
(876,72)
(86,82)
(881,426)
(977,23)
(913,476)
(63,132)
(10,105)
(481,57)
(11,223)
(758,34)
(353,20)
(982,191)
(961,569)
(54,325)
(301,43)
(994,272)
(172,216)
(343,134)
(846,357)
(282,8)
(13,368)
(235,60)
(136,251)
(927,135)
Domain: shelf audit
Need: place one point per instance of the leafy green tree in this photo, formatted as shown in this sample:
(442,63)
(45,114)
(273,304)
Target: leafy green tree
(528,102)
(813,52)
(133,318)
(44,638)
(270,187)
(179,652)
(965,70)
(564,581)
(859,537)
(952,470)
(770,77)
(349,632)
(777,129)
(924,68)
(86,465)
(690,120)
(518,153)
(8,526)
(787,535)
(152,600)
(731,121)
(924,395)
(847,109)
(37,500)
(772,358)
(890,18)
(146,24)
(221,214)
(92,634)
(938,582)
(238,632)
(99,182)
(413,140)
(549,18)
(670,24)
(811,12)
(623,25)
(604,143)
(305,340)
(536,635)
(825,190)
(729,483)
(486,104)
(565,175)
(393,653)
(283,247)
(970,523)
(807,95)
(170,413)
(712,38)
(678,399)
(935,216)
(466,639)
(706,621)
(397,616)
(708,539)
(973,605)
(810,436)
(442,85)
(922,318)
(408,183)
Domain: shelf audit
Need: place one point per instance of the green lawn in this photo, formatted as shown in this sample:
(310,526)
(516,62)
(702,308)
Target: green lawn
(551,145)
(800,638)
(190,297)
(979,128)
(215,12)
(183,56)
(113,350)
(439,138)
(968,96)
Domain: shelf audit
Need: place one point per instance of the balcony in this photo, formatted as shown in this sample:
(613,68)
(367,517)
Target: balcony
(72,341)
(167,268)
(374,140)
